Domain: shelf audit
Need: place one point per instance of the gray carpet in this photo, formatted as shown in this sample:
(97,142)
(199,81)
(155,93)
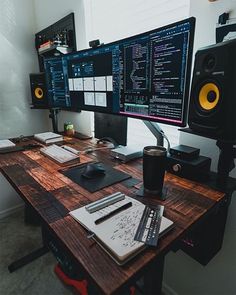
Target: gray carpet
(36,278)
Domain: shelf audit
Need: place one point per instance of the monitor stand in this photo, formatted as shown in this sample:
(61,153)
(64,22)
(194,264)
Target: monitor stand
(225,162)
(157,132)
(53,116)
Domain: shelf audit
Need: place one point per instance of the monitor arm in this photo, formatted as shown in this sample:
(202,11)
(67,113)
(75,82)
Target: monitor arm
(158,133)
(226,161)
(53,112)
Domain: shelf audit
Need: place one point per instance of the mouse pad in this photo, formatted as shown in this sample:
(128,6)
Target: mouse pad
(92,185)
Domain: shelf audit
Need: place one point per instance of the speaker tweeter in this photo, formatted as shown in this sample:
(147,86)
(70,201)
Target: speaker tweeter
(209,62)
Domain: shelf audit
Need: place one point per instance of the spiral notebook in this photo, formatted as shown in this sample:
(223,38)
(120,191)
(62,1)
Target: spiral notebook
(116,235)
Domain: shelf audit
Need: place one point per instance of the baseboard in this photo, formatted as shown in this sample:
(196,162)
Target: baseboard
(167,290)
(10,211)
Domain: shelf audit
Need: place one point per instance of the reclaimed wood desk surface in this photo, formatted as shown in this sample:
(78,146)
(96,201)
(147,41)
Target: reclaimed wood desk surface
(34,176)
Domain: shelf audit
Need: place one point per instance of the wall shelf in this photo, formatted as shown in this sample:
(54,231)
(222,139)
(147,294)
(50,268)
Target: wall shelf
(54,50)
(58,38)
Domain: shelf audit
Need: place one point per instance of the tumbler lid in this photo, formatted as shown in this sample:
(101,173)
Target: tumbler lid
(154,150)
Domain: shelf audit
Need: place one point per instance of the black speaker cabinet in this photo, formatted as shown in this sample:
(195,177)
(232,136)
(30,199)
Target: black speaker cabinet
(38,90)
(212,111)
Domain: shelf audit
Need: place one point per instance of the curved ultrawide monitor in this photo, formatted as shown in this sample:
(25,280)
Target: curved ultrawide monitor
(146,76)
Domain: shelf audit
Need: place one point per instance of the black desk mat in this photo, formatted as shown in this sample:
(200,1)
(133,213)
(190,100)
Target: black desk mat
(92,185)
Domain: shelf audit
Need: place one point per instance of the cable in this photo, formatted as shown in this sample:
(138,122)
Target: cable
(91,150)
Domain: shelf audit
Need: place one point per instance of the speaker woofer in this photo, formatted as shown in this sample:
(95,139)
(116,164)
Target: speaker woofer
(38,92)
(209,96)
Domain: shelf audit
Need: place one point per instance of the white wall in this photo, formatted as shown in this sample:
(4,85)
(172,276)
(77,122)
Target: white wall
(116,19)
(182,274)
(17,60)
(48,12)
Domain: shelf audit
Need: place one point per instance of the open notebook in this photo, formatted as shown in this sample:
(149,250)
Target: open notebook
(116,235)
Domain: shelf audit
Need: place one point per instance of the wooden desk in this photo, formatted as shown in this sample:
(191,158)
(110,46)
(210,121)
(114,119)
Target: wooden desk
(33,176)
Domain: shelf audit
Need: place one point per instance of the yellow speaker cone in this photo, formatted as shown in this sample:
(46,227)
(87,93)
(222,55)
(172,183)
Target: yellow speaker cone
(38,92)
(209,96)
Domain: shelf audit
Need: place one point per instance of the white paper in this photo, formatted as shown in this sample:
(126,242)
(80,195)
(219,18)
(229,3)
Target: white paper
(100,83)
(88,84)
(6,143)
(100,99)
(109,83)
(71,84)
(78,84)
(89,98)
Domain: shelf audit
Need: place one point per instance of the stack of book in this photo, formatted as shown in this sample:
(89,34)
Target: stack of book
(6,144)
(44,46)
(48,137)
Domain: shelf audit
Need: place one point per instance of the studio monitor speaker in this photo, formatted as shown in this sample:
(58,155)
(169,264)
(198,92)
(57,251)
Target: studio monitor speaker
(38,90)
(212,110)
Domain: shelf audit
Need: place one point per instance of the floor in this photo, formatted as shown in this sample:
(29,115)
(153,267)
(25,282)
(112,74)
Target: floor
(36,278)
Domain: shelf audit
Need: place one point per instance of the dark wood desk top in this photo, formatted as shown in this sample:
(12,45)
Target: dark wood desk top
(39,182)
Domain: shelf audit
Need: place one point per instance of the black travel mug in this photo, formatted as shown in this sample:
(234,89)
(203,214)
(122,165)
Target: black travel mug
(154,165)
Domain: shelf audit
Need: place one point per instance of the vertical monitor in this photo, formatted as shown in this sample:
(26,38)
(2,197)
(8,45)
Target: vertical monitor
(111,126)
(146,76)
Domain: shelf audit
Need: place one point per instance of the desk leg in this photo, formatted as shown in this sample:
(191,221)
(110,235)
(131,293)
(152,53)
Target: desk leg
(153,277)
(27,259)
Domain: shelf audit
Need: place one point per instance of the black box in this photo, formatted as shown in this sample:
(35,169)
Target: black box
(205,241)
(196,169)
(185,152)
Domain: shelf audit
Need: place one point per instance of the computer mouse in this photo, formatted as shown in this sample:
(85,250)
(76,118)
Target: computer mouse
(94,170)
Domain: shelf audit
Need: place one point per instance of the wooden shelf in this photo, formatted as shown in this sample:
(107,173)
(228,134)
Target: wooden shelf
(39,107)
(54,50)
(190,131)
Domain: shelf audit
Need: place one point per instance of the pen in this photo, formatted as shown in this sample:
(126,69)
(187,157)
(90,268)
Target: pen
(114,212)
